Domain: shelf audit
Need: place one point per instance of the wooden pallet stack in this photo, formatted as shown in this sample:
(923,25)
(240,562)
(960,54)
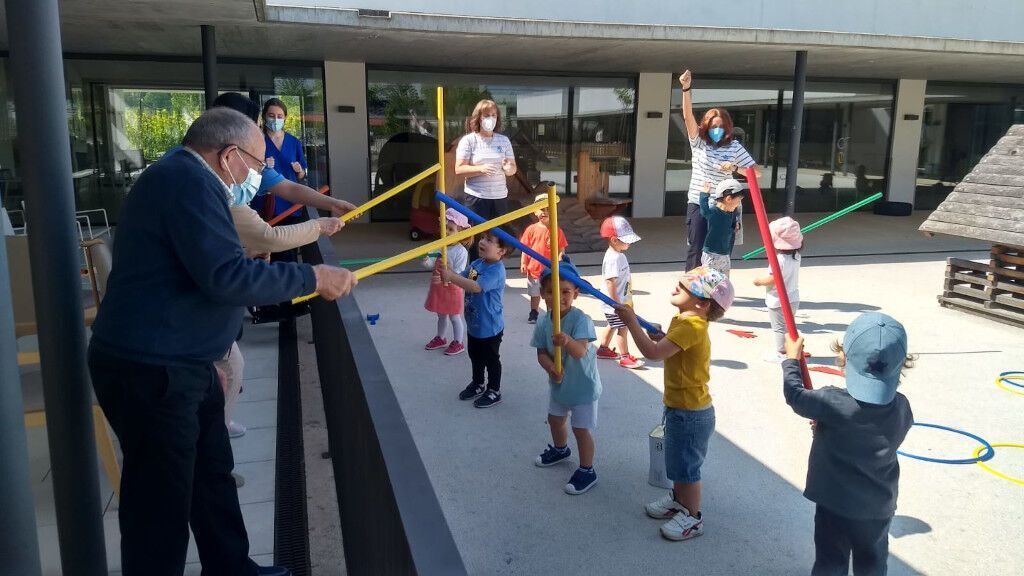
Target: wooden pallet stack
(994,290)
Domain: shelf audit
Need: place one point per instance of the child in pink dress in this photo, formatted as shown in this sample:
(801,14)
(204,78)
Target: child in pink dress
(447,300)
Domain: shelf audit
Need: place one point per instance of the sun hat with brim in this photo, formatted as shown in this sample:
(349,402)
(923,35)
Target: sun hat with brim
(457,218)
(875,346)
(786,234)
(710,284)
(728,187)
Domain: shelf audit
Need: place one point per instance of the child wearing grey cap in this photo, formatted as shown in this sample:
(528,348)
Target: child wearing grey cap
(853,474)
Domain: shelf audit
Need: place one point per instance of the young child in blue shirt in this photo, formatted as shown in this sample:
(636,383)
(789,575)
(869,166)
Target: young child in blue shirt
(721,210)
(576,389)
(484,283)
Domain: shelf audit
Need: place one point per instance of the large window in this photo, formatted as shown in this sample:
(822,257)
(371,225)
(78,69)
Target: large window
(550,121)
(960,125)
(843,149)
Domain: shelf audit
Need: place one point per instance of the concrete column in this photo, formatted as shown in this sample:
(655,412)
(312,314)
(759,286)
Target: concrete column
(796,129)
(655,96)
(347,131)
(906,139)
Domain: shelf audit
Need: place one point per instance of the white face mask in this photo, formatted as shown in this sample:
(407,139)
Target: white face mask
(488,123)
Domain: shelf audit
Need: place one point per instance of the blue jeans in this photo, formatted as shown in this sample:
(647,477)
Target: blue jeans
(687,433)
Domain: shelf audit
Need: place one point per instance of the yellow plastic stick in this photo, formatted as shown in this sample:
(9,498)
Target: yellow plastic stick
(440,174)
(363,208)
(436,245)
(556,288)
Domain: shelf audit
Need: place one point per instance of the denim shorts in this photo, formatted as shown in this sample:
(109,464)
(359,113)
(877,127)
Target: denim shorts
(686,442)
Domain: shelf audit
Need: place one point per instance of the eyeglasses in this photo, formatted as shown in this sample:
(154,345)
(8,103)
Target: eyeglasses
(263,165)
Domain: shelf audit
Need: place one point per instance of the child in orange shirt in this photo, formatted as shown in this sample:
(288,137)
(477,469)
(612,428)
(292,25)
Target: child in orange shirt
(538,237)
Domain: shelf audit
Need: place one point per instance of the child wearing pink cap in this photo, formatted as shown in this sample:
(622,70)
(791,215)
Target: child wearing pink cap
(446,300)
(788,241)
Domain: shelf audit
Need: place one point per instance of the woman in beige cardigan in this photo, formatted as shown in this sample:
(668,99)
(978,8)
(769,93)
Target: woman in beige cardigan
(260,239)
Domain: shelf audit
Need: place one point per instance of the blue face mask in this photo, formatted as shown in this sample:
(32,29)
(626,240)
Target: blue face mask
(244,193)
(275,124)
(716,134)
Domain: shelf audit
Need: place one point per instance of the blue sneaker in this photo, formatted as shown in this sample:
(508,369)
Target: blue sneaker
(552,456)
(581,481)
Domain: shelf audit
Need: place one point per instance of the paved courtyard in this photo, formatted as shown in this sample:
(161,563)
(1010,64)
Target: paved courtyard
(510,517)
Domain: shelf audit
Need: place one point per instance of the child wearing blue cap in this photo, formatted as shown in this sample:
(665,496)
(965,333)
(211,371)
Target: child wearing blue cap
(852,474)
(577,388)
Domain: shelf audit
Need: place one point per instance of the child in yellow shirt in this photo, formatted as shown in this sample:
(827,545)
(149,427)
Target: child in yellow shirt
(702,296)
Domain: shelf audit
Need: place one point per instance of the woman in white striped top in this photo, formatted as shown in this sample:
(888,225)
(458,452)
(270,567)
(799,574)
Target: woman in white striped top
(716,155)
(485,158)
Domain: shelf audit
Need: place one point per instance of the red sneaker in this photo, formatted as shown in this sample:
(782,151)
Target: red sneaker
(606,353)
(455,348)
(630,361)
(436,343)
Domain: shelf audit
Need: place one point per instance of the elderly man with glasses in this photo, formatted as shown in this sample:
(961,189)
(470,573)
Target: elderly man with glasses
(174,302)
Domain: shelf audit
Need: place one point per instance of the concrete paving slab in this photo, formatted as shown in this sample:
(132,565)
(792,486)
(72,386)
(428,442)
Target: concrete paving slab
(509,517)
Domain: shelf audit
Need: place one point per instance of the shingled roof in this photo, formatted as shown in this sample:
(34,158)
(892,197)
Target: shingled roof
(989,203)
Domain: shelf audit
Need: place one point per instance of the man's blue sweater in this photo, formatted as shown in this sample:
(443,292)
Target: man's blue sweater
(180,279)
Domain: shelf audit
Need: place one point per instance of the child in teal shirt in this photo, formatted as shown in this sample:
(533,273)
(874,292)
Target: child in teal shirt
(576,389)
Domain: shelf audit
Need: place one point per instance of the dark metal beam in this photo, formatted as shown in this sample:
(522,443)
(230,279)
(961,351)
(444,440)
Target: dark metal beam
(797,116)
(209,63)
(19,546)
(37,72)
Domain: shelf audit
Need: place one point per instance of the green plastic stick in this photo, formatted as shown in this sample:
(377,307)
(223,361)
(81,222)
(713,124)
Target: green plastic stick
(823,221)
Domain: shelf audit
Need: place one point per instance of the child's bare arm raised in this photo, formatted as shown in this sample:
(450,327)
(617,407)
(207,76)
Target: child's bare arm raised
(656,348)
(576,348)
(459,280)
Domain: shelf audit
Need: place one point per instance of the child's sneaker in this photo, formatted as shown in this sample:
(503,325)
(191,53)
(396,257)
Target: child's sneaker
(436,343)
(665,507)
(581,481)
(606,353)
(472,391)
(455,348)
(532,319)
(552,456)
(630,361)
(490,398)
(682,526)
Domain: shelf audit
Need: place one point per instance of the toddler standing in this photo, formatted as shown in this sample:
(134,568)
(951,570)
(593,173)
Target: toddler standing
(788,241)
(446,299)
(538,237)
(618,286)
(720,210)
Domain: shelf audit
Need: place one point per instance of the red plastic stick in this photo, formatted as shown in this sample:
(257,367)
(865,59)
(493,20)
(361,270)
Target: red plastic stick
(773,261)
(295,208)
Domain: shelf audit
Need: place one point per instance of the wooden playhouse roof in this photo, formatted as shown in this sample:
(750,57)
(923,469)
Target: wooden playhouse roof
(988,204)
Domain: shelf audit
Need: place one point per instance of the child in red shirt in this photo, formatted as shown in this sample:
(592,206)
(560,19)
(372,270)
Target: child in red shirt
(538,237)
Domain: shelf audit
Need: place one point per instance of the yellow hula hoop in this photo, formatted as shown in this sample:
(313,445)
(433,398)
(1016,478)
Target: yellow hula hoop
(1001,384)
(994,472)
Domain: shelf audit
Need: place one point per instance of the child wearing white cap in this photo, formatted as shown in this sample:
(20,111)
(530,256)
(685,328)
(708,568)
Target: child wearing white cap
(618,286)
(720,209)
(788,241)
(852,473)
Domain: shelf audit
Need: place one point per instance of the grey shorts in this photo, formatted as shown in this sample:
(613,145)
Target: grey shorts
(583,415)
(532,286)
(687,433)
(719,262)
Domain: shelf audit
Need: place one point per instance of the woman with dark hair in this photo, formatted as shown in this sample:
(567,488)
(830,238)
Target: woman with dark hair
(284,154)
(485,158)
(716,155)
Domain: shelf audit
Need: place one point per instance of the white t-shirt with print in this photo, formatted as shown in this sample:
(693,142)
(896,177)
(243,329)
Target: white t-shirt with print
(479,151)
(706,162)
(789,265)
(616,266)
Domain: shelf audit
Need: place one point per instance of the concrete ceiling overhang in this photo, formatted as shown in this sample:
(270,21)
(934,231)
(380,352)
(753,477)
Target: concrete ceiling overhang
(250,29)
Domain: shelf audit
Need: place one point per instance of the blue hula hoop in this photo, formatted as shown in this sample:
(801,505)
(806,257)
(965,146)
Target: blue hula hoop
(1015,374)
(983,457)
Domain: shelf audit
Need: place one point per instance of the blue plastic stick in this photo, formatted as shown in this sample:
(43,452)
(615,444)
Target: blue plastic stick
(580,282)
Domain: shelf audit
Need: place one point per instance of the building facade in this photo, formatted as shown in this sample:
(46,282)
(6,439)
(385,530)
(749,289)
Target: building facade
(902,97)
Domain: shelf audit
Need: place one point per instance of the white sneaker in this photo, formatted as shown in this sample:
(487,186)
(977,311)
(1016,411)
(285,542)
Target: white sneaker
(682,526)
(665,507)
(773,357)
(235,430)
